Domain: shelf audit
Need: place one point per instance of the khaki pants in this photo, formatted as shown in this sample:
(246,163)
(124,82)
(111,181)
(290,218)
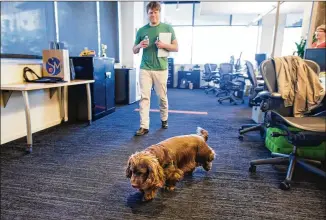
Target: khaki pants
(148,78)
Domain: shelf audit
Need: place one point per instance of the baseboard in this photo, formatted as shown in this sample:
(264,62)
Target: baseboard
(23,133)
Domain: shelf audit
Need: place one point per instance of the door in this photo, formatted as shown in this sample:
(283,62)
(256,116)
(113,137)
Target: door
(110,83)
(99,102)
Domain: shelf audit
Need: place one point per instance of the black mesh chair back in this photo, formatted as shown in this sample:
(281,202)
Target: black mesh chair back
(313,65)
(251,73)
(209,67)
(225,68)
(268,72)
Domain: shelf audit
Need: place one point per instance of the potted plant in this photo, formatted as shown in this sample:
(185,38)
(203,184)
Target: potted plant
(300,48)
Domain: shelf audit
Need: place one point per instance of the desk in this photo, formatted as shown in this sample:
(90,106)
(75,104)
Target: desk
(6,91)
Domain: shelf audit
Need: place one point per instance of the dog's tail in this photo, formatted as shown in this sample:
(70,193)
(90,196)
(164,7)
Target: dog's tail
(202,132)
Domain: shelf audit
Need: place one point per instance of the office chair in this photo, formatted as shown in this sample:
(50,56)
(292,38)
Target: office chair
(310,130)
(255,86)
(224,71)
(232,84)
(312,133)
(208,76)
(265,103)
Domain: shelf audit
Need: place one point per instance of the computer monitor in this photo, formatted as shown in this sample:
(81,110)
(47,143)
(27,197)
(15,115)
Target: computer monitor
(318,55)
(260,57)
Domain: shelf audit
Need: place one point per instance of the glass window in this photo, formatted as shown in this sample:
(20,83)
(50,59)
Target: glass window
(294,20)
(77,23)
(220,19)
(26,27)
(291,36)
(218,44)
(243,19)
(178,14)
(184,37)
(109,27)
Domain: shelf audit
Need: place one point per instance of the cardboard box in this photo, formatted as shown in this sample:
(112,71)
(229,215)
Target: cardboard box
(56,64)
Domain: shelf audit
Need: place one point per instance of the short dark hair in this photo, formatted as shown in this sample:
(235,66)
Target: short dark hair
(153,5)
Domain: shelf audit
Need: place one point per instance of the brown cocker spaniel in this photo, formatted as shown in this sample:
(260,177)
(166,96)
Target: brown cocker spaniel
(164,164)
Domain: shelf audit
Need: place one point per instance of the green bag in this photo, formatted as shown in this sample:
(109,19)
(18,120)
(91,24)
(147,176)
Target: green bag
(281,145)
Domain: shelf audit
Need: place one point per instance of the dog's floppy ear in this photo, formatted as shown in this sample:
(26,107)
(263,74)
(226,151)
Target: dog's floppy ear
(212,155)
(205,153)
(128,171)
(156,174)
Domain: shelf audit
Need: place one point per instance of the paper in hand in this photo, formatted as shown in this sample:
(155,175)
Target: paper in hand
(165,38)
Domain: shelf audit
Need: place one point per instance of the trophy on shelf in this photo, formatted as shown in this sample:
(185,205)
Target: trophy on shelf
(104,47)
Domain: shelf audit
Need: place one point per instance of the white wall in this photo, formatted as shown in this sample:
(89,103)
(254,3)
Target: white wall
(267,34)
(127,34)
(45,112)
(131,19)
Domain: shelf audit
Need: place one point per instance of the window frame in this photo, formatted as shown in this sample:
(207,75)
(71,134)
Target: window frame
(193,21)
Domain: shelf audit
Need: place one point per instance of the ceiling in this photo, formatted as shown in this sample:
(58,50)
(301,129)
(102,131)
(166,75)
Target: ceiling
(213,8)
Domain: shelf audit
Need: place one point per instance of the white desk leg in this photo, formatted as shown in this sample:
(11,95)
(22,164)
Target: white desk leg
(89,103)
(65,102)
(28,122)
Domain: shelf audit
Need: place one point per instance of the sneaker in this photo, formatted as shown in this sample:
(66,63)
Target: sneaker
(165,124)
(141,132)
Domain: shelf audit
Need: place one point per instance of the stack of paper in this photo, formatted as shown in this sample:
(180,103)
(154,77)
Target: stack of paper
(165,38)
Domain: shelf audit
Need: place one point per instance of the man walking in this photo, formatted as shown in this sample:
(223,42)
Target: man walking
(153,69)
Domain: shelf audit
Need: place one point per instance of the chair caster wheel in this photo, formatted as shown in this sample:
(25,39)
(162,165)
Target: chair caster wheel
(285,185)
(219,102)
(240,137)
(252,169)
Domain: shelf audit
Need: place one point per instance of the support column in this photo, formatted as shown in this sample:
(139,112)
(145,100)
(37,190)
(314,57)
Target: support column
(267,31)
(280,35)
(317,18)
(306,19)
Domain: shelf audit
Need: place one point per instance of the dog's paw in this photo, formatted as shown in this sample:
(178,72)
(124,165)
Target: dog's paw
(147,198)
(190,173)
(169,188)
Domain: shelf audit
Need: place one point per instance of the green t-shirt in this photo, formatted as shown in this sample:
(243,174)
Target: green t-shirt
(150,61)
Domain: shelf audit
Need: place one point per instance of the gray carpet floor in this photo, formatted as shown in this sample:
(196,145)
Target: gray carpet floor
(78,171)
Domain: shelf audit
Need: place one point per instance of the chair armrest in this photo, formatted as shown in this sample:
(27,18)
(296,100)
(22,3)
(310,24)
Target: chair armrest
(267,95)
(215,77)
(319,114)
(237,74)
(276,95)
(259,88)
(303,138)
